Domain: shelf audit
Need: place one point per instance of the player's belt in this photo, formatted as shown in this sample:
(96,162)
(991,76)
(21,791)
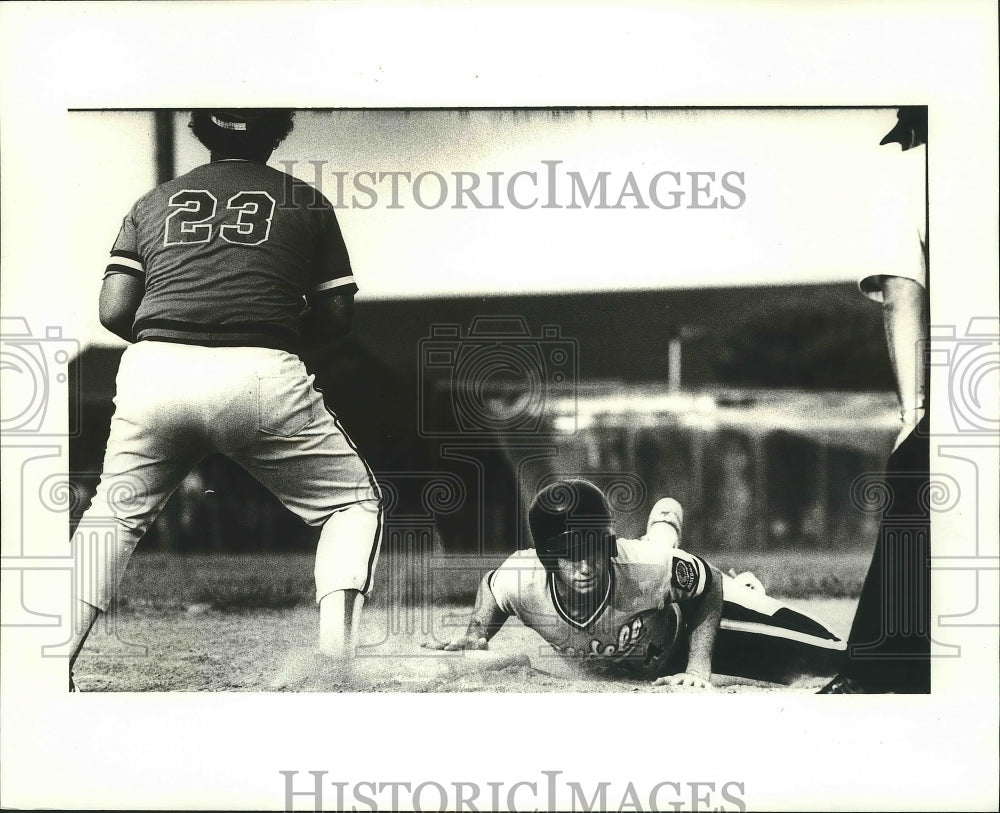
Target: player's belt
(229,334)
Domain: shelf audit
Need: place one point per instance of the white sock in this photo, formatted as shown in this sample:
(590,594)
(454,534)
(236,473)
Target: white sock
(339,619)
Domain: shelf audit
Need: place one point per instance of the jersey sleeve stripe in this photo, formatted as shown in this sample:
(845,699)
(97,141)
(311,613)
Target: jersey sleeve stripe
(705,580)
(334,283)
(119,268)
(129,258)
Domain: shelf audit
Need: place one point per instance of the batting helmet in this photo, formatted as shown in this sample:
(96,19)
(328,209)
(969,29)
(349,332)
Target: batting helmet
(570,518)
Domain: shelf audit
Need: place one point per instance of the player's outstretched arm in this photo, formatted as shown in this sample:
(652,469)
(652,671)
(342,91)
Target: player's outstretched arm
(487,619)
(705,615)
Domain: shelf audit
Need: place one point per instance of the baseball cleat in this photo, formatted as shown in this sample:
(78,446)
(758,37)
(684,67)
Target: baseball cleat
(669,511)
(747,579)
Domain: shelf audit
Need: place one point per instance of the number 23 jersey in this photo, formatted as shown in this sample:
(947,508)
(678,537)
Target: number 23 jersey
(227,252)
(635,623)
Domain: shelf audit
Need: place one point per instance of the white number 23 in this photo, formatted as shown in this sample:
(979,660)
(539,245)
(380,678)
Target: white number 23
(250,214)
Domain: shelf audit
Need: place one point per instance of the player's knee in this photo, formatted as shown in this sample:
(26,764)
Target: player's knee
(132,527)
(125,527)
(123,506)
(363,519)
(100,557)
(348,549)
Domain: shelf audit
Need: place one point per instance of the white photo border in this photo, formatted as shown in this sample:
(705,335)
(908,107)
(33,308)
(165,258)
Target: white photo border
(792,752)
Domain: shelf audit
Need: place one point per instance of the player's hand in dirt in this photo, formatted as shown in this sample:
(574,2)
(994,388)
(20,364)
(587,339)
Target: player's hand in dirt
(684,679)
(458,644)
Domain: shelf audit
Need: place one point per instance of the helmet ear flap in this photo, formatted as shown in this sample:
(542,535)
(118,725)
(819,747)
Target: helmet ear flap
(613,546)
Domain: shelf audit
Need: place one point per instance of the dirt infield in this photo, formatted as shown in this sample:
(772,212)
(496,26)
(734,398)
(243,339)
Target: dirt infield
(248,623)
(202,649)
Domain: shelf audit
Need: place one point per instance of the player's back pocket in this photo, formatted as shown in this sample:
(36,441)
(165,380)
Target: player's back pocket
(286,404)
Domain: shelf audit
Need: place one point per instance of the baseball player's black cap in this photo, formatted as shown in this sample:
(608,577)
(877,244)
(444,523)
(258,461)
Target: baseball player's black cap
(911,127)
(243,119)
(241,132)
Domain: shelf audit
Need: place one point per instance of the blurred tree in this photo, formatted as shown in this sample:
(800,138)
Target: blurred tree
(806,347)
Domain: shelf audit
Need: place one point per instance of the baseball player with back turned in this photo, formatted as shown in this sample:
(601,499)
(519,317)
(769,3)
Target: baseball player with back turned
(218,278)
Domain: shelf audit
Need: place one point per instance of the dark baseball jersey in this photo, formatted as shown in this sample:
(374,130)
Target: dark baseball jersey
(227,252)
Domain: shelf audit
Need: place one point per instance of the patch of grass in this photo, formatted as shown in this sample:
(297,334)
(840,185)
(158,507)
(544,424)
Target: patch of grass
(253,593)
(802,574)
(234,583)
(226,582)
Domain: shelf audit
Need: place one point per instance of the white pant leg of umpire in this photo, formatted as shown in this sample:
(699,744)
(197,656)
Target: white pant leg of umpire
(348,550)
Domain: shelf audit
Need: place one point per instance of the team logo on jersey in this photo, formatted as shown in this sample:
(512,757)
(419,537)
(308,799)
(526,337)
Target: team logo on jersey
(685,576)
(629,633)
